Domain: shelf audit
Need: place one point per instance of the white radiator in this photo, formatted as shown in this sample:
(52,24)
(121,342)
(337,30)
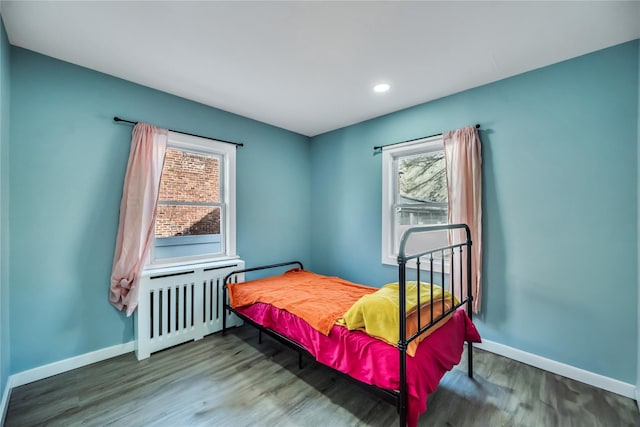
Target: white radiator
(180,304)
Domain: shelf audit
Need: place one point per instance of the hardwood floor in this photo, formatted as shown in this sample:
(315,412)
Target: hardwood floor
(234,381)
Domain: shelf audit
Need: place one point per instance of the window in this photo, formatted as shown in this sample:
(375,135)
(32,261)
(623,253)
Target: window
(414,192)
(195,218)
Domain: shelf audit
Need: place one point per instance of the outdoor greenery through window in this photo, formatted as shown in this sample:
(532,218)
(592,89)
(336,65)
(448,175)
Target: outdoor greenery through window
(414,194)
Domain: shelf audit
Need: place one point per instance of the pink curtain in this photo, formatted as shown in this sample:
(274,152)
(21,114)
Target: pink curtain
(464,183)
(137,214)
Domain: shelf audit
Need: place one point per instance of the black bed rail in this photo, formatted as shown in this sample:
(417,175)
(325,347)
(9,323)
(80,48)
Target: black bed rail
(262,267)
(225,301)
(403,258)
(428,228)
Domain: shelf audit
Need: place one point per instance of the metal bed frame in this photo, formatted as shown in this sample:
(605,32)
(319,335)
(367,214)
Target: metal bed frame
(397,397)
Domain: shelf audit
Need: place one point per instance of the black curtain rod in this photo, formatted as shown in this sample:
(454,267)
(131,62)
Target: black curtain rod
(380,147)
(237,144)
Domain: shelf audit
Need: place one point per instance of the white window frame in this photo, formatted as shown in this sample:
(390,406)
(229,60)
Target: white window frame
(227,153)
(389,189)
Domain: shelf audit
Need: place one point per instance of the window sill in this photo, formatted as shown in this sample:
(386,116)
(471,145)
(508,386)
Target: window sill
(173,267)
(424,265)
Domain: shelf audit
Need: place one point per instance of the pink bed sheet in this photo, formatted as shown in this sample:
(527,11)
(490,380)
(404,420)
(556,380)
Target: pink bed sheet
(372,361)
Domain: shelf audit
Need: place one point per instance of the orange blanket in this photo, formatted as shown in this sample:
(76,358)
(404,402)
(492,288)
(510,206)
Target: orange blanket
(319,300)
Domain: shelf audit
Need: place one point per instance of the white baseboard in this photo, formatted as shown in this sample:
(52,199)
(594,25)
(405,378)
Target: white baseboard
(587,377)
(4,404)
(56,368)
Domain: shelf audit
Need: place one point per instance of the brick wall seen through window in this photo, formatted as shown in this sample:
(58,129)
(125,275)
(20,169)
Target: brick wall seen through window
(188,181)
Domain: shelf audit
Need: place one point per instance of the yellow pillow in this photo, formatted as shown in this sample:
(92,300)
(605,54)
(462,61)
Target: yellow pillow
(378,313)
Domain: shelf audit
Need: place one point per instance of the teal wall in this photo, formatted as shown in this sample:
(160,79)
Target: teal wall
(68,160)
(560,205)
(4,208)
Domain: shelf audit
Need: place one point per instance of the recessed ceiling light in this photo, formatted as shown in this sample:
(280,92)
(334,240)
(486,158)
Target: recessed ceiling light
(381,87)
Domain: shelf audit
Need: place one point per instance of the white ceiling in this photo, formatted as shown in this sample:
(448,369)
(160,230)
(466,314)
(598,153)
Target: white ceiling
(310,66)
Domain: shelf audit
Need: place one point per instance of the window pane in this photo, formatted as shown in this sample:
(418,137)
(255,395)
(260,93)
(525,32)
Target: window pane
(188,246)
(190,177)
(419,241)
(421,199)
(186,220)
(422,178)
(422,214)
(189,220)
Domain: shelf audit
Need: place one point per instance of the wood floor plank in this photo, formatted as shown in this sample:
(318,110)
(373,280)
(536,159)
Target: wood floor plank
(234,381)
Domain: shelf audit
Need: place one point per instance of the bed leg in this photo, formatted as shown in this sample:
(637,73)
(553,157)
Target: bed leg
(224,310)
(224,322)
(470,359)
